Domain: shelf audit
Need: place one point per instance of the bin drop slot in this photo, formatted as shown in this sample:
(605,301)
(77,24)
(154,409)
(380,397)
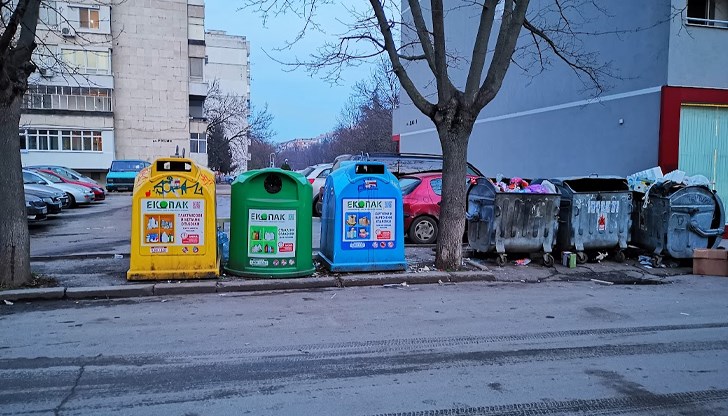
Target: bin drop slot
(173,166)
(366,169)
(597,185)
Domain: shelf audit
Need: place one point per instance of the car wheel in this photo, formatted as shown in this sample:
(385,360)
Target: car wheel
(423,230)
(71,201)
(316,207)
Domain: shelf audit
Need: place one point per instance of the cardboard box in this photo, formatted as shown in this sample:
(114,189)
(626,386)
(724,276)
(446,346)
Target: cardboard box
(710,262)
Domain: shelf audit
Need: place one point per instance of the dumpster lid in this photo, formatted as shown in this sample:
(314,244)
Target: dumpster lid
(594,183)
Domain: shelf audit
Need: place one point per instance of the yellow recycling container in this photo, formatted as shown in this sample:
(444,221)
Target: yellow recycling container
(173,233)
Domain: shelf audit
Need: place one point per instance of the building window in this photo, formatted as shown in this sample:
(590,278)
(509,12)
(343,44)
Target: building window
(48,13)
(198,143)
(54,140)
(708,13)
(196,65)
(51,97)
(86,62)
(88,18)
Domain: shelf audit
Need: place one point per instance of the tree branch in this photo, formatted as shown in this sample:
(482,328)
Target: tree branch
(423,34)
(418,100)
(480,49)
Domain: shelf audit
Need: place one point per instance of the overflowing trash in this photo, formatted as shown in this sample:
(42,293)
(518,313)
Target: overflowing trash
(643,181)
(520,185)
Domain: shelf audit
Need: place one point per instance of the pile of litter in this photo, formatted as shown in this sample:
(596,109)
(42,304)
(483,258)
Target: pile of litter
(520,185)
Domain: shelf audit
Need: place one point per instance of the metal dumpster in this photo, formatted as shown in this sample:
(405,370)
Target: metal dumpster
(502,222)
(673,219)
(595,214)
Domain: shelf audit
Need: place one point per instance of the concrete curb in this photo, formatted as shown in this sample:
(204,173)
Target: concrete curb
(230,286)
(185,288)
(126,291)
(41,293)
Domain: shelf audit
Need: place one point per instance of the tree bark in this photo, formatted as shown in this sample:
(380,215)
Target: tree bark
(454,141)
(14,236)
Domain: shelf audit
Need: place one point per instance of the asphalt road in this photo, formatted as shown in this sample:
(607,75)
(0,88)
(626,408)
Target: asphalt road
(467,349)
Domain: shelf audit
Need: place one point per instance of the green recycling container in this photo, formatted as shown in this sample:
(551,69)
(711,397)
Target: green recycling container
(270,225)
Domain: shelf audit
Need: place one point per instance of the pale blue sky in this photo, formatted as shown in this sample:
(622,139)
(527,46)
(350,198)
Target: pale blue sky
(302,105)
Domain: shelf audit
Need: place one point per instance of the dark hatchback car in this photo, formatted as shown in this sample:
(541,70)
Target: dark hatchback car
(51,199)
(35,208)
(401,164)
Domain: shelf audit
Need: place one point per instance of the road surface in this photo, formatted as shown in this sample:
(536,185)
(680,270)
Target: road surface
(466,349)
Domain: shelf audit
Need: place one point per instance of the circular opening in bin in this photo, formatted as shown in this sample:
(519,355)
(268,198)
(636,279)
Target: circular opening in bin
(273,183)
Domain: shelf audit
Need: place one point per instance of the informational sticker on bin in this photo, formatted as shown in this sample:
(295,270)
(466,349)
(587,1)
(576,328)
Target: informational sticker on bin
(173,222)
(272,237)
(368,224)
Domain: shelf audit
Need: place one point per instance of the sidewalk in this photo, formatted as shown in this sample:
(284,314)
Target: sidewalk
(109,280)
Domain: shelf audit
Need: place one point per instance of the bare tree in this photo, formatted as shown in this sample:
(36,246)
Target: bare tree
(24,48)
(549,31)
(241,124)
(17,41)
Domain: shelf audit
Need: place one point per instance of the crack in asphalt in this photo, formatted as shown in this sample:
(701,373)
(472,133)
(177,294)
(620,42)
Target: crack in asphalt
(57,410)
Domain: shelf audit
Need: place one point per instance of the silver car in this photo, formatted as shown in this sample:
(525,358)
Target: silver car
(76,194)
(316,176)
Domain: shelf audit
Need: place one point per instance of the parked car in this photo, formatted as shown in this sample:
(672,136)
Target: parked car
(67,172)
(99,192)
(122,174)
(73,193)
(35,208)
(401,164)
(52,198)
(316,176)
(421,196)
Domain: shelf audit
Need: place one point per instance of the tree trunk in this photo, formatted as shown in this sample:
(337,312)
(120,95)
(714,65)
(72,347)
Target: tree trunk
(14,236)
(454,142)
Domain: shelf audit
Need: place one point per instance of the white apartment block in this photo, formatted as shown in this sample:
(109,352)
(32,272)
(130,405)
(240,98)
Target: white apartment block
(227,64)
(116,80)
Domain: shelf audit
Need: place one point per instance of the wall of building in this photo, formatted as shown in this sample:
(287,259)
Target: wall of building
(548,123)
(228,66)
(150,64)
(698,55)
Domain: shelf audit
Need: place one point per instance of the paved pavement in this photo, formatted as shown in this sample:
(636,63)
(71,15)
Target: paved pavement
(89,248)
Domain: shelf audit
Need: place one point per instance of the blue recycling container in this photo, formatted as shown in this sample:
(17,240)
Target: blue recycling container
(362,222)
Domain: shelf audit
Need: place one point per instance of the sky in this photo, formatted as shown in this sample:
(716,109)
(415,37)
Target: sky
(303,105)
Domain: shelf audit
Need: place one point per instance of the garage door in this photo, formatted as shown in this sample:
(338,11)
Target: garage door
(704,144)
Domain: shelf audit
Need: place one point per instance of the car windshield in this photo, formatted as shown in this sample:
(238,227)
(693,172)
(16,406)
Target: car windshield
(127,166)
(407,185)
(32,178)
(52,178)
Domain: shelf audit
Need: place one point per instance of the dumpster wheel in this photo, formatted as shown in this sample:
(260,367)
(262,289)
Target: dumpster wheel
(656,261)
(581,257)
(501,260)
(548,260)
(619,256)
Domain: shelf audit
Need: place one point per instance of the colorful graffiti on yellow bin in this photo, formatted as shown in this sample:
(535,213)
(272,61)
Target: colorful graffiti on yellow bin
(175,186)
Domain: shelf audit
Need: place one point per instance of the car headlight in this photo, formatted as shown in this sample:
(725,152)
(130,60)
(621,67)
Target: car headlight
(48,200)
(110,180)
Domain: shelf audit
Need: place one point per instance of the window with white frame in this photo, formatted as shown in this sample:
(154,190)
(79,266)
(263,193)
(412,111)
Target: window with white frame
(61,140)
(86,62)
(198,143)
(88,18)
(48,13)
(52,97)
(708,13)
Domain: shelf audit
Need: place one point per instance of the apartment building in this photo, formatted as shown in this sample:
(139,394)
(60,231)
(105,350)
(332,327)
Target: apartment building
(227,64)
(115,80)
(666,106)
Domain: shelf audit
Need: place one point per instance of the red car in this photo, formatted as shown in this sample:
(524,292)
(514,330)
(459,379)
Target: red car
(99,193)
(421,196)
